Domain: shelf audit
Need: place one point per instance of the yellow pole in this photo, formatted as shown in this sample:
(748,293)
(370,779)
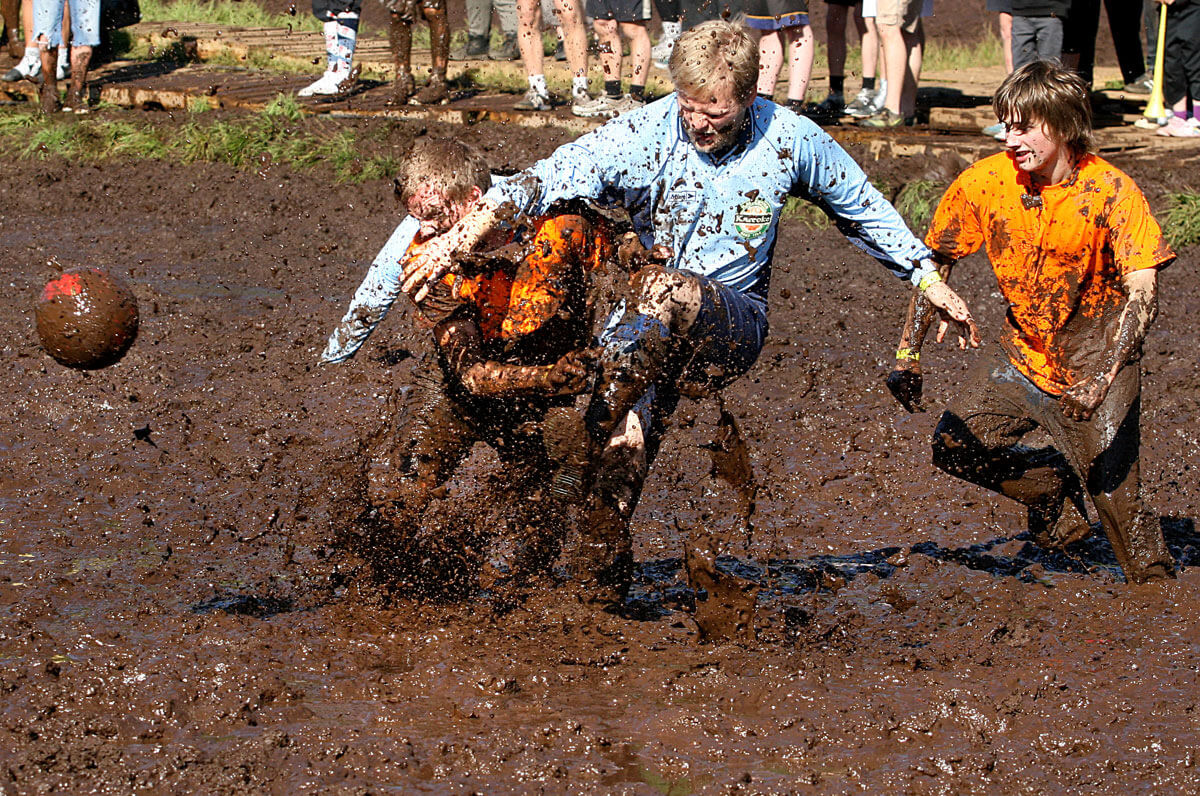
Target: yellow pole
(1155,108)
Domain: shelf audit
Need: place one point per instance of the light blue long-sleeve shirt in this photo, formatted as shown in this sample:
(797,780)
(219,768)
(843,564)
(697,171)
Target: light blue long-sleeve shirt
(719,216)
(375,296)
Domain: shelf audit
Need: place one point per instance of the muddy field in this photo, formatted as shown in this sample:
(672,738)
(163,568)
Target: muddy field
(172,614)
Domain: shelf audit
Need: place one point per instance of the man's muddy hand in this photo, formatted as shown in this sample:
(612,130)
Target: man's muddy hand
(954,312)
(906,385)
(423,269)
(570,375)
(1082,398)
(633,256)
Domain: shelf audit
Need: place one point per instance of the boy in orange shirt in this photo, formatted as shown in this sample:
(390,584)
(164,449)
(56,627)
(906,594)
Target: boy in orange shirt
(512,329)
(1076,254)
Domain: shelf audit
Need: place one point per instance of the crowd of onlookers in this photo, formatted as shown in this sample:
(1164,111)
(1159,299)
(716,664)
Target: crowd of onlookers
(890,34)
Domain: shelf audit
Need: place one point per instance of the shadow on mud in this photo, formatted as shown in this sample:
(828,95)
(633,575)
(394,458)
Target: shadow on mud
(660,587)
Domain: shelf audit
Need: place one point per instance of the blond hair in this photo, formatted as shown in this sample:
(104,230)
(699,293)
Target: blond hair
(451,165)
(1047,92)
(713,51)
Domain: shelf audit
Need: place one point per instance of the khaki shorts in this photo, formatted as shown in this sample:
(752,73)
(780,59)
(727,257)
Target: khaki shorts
(905,14)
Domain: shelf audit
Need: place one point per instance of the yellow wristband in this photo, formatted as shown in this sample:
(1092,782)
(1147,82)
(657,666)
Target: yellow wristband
(908,353)
(931,278)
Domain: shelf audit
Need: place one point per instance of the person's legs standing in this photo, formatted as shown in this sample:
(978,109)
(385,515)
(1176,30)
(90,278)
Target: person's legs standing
(435,91)
(506,10)
(479,28)
(770,61)
(639,58)
(800,59)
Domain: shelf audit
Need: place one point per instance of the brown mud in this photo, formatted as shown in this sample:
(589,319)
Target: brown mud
(174,616)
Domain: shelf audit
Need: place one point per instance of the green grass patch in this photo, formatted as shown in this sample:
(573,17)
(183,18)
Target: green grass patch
(228,12)
(274,135)
(917,200)
(804,212)
(1181,222)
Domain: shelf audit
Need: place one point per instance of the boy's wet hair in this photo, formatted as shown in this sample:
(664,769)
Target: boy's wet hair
(716,50)
(454,166)
(1047,92)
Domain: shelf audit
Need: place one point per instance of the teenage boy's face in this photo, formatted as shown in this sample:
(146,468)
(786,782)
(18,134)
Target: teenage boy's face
(1035,150)
(436,213)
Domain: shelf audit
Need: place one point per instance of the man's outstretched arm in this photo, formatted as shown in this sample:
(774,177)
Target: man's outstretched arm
(1083,397)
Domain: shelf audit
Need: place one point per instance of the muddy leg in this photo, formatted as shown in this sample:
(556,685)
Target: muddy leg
(77,92)
(48,91)
(10,10)
(1107,449)
(400,41)
(984,449)
(439,45)
(603,564)
(407,468)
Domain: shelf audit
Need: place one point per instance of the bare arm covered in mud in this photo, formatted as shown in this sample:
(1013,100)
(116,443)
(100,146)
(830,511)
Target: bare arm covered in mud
(905,381)
(1083,397)
(461,344)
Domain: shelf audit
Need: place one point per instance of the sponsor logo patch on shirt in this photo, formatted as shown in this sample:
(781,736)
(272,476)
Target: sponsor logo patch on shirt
(753,219)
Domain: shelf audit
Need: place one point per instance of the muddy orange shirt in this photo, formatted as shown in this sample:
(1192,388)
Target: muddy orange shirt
(517,303)
(1059,262)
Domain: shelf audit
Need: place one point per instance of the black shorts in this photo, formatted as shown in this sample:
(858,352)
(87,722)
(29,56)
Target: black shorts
(847,3)
(621,10)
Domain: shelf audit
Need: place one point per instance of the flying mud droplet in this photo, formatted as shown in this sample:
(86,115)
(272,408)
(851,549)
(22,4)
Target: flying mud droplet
(87,318)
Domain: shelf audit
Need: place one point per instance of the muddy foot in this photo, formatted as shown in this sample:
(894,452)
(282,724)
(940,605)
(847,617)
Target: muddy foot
(434,93)
(403,89)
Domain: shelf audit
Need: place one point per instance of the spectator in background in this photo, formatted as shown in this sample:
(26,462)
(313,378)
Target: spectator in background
(902,37)
(1037,30)
(529,38)
(479,27)
(1181,68)
(339,24)
(668,11)
(1079,40)
(403,15)
(48,16)
(30,65)
(1004,9)
(614,19)
(776,21)
(868,101)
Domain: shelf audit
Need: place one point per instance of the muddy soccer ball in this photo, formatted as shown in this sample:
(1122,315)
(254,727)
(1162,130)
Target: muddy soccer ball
(87,318)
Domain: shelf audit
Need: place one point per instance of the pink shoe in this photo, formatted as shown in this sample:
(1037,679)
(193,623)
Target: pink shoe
(1178,128)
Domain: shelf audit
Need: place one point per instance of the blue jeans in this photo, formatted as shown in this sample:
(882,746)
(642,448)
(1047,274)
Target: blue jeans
(85,22)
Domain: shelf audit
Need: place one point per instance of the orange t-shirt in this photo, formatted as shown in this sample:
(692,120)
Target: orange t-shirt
(514,304)
(1059,264)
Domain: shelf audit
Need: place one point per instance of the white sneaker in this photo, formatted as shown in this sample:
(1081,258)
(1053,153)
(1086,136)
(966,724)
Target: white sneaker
(880,97)
(28,68)
(63,70)
(326,85)
(860,106)
(598,108)
(533,101)
(625,104)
